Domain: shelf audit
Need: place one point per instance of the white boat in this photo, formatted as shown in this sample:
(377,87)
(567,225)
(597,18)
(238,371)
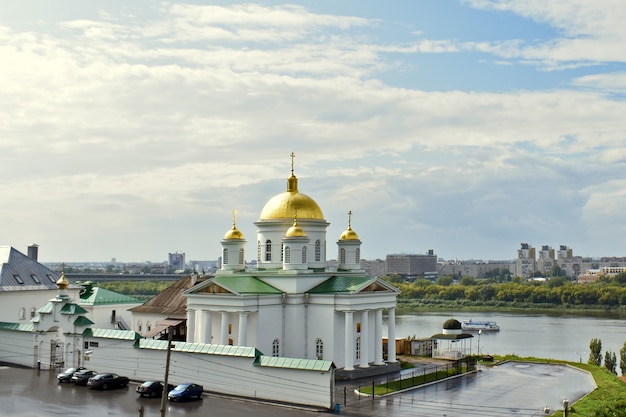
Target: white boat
(484,325)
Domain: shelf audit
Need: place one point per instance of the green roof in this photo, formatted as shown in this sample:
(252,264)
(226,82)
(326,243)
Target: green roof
(293,363)
(82,321)
(245,285)
(71,308)
(223,350)
(112,334)
(343,284)
(102,296)
(47,308)
(19,327)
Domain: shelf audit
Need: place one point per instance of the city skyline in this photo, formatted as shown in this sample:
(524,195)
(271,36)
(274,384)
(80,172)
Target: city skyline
(130,131)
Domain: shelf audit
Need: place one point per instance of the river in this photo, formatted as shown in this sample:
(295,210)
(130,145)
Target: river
(552,336)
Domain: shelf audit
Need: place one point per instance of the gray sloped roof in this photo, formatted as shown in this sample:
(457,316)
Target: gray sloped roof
(18,272)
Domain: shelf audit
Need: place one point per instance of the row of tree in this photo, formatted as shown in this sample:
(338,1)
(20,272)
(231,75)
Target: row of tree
(555,291)
(610,359)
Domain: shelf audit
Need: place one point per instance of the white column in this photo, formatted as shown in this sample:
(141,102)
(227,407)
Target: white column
(191,325)
(378,336)
(243,329)
(365,340)
(224,332)
(349,341)
(391,340)
(206,326)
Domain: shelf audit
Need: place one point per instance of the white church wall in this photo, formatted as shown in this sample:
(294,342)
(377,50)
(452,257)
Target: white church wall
(321,324)
(102,315)
(20,306)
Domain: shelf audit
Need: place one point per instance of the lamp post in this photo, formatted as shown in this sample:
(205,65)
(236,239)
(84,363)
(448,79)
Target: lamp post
(479,333)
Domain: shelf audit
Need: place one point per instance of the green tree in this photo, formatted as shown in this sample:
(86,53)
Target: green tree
(468,281)
(610,361)
(622,359)
(595,355)
(444,280)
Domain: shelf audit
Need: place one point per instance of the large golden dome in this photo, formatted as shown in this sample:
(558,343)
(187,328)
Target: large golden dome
(291,203)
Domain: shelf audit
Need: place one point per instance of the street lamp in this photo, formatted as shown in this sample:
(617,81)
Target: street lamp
(479,333)
(580,357)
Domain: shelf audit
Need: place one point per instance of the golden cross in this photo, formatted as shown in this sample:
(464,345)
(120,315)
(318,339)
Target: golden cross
(293,155)
(350,218)
(234,217)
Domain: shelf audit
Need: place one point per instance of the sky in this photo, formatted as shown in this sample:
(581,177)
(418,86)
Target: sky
(131,130)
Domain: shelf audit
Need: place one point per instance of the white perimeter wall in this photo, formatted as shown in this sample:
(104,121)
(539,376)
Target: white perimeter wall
(230,375)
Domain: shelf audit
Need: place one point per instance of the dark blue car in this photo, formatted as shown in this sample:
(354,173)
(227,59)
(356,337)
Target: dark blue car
(185,392)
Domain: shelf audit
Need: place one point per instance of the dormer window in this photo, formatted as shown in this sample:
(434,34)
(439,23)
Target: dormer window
(34,277)
(18,279)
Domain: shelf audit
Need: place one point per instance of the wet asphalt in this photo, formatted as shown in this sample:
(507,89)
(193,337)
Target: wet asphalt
(511,389)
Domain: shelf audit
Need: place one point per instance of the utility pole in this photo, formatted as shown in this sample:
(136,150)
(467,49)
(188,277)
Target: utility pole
(167,371)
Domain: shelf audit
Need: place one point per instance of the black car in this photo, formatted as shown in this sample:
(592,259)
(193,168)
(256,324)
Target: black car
(153,389)
(185,391)
(82,377)
(66,376)
(107,381)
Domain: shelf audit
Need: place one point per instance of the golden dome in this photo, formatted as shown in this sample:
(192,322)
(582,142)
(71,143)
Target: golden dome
(234,233)
(349,234)
(295,230)
(62,283)
(284,205)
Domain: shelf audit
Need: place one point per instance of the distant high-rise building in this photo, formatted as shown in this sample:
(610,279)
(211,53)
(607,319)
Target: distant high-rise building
(546,260)
(411,266)
(176,261)
(526,262)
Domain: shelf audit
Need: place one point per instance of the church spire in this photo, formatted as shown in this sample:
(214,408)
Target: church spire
(292,182)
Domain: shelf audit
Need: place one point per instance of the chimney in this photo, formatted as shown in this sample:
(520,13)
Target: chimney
(33,251)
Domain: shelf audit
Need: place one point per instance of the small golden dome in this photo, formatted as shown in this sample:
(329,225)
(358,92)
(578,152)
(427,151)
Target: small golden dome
(295,230)
(282,206)
(234,233)
(62,283)
(349,234)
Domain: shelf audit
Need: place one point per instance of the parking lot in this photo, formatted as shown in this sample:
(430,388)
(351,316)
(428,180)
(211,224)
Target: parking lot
(512,389)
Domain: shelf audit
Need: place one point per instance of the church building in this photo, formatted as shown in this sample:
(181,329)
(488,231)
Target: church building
(292,304)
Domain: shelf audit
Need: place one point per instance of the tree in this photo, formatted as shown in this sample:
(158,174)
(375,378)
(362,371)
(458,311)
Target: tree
(622,359)
(595,356)
(610,361)
(444,280)
(467,281)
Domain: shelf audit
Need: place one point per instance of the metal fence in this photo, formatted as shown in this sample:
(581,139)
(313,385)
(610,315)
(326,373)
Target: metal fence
(350,393)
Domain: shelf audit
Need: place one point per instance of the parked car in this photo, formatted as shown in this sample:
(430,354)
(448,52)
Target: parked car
(66,376)
(82,377)
(107,381)
(185,391)
(153,389)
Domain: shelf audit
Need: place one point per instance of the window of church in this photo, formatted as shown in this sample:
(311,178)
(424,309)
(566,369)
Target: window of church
(319,348)
(139,324)
(276,347)
(231,342)
(258,251)
(225,257)
(358,327)
(358,348)
(342,256)
(268,250)
(287,255)
(148,326)
(318,251)
(230,328)
(33,311)
(241,257)
(358,255)
(21,314)
(282,246)
(304,255)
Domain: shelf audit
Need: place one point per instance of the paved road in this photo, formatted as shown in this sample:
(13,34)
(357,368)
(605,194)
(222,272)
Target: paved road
(513,389)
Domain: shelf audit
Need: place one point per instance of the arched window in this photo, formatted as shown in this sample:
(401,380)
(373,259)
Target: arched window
(304,255)
(241,256)
(225,257)
(287,255)
(258,251)
(33,311)
(139,325)
(268,250)
(276,347)
(21,315)
(319,348)
(342,256)
(318,251)
(358,255)
(148,326)
(358,348)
